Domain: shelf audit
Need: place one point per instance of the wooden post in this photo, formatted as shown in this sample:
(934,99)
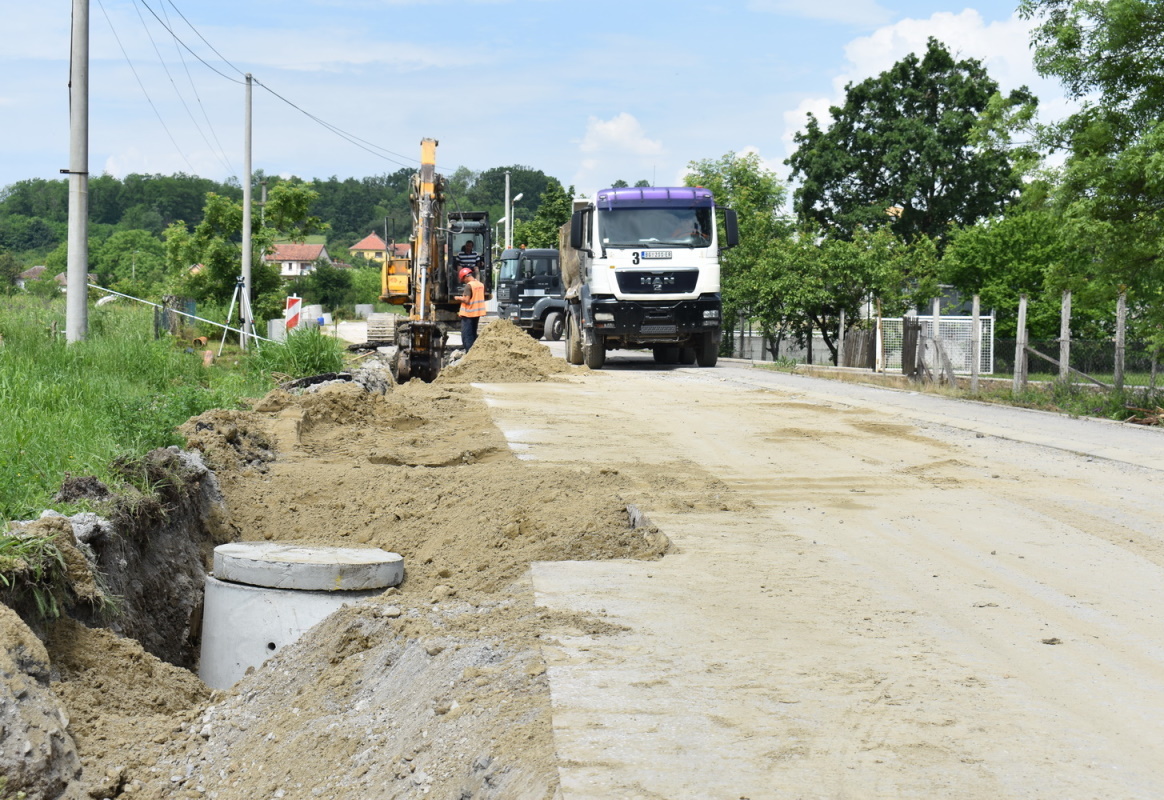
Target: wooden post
(1120,339)
(841,341)
(975,345)
(1020,348)
(1065,338)
(936,313)
(879,363)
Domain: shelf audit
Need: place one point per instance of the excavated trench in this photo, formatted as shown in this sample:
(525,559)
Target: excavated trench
(433,686)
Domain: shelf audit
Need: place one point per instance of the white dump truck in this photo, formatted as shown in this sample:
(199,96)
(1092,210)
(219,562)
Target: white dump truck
(641,270)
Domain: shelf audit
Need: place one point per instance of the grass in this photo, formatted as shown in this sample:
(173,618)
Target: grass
(74,409)
(33,566)
(306,351)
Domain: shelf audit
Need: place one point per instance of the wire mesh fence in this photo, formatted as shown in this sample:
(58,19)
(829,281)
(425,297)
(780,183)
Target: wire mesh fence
(1094,358)
(956,334)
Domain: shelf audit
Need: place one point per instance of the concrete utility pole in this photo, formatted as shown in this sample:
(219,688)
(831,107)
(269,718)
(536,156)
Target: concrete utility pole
(508,214)
(245,303)
(77,274)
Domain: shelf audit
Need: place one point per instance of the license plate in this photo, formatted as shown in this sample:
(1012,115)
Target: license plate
(656,254)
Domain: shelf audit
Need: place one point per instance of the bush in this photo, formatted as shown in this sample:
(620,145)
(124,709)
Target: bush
(307,351)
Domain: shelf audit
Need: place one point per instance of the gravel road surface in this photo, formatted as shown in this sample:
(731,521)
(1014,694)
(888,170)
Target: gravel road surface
(904,596)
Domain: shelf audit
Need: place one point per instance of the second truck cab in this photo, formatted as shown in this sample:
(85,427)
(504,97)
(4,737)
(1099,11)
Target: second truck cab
(530,292)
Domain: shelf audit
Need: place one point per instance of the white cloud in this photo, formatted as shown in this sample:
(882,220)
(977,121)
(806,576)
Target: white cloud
(854,12)
(1002,46)
(623,134)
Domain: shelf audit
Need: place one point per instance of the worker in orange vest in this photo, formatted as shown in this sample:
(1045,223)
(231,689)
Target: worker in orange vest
(472,306)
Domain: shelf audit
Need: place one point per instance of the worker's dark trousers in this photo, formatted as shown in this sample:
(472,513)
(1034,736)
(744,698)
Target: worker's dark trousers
(468,331)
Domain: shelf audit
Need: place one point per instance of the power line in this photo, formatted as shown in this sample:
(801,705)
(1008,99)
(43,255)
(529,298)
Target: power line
(351,138)
(181,97)
(189,49)
(142,86)
(206,116)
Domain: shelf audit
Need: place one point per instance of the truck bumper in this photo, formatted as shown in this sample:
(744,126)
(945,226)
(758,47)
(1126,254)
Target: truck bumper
(662,322)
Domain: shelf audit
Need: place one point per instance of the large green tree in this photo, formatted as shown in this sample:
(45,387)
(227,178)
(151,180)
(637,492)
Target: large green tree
(553,212)
(903,149)
(1109,55)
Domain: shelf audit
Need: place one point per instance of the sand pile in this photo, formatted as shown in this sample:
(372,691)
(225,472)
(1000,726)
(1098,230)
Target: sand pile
(504,353)
(437,687)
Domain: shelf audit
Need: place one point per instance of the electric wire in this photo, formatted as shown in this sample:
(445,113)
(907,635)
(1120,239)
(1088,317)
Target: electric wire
(181,97)
(206,116)
(351,138)
(178,39)
(143,89)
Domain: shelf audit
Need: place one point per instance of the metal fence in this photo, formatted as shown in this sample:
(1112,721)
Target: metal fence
(956,334)
(1094,358)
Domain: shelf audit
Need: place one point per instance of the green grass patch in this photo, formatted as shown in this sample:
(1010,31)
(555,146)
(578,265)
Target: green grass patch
(306,351)
(75,408)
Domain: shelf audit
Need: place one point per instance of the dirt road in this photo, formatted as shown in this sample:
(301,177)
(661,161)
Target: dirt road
(912,597)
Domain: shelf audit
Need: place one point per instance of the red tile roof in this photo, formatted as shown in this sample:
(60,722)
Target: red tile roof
(32,273)
(296,252)
(370,242)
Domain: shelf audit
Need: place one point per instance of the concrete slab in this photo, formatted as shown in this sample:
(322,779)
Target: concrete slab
(329,569)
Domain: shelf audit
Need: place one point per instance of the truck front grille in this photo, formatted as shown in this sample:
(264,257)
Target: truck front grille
(658,281)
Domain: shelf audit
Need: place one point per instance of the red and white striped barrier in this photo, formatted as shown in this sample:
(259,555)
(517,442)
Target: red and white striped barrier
(291,312)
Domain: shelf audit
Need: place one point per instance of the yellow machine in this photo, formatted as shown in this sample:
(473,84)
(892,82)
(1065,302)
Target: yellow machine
(426,282)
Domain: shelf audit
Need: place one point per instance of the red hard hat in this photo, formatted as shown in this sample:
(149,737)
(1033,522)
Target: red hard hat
(464,273)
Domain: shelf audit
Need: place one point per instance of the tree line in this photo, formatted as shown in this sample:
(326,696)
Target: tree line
(925,176)
(928,177)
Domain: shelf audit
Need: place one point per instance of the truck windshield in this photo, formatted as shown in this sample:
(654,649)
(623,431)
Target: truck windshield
(651,227)
(509,269)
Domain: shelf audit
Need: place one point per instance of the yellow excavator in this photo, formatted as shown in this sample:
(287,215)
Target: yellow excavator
(425,282)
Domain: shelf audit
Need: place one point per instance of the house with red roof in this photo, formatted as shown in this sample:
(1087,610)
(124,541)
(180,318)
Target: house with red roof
(31,274)
(373,248)
(296,260)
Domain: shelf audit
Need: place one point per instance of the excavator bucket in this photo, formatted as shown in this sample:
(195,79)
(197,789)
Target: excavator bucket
(421,349)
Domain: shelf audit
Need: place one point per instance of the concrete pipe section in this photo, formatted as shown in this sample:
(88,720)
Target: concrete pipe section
(263,596)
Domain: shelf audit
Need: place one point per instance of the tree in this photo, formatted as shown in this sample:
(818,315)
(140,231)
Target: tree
(810,279)
(131,261)
(327,285)
(1109,57)
(553,212)
(214,245)
(902,150)
(10,268)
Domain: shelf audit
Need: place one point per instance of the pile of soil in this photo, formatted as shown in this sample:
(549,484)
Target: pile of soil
(504,353)
(436,686)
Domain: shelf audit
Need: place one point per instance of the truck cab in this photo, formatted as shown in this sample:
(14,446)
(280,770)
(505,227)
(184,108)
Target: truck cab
(530,292)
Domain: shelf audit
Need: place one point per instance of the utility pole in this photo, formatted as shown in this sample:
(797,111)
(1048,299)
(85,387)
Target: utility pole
(245,304)
(77,274)
(508,214)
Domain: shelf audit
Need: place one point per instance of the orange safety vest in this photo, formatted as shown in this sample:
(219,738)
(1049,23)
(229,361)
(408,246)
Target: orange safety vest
(475,305)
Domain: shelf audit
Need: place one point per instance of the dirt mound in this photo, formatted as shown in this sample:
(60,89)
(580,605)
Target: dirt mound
(229,440)
(117,697)
(504,353)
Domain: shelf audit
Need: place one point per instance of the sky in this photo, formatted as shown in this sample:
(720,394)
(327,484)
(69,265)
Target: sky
(588,92)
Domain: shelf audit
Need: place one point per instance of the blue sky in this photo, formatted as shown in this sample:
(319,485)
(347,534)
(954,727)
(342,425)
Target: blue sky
(588,92)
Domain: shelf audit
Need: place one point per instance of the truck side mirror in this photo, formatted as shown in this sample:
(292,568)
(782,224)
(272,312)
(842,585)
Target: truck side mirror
(576,230)
(731,229)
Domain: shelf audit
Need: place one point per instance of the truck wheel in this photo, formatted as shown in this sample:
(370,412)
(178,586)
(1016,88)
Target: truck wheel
(553,326)
(687,355)
(665,354)
(573,341)
(593,350)
(707,350)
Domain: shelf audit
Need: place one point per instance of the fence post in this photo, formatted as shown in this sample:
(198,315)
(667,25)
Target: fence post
(975,345)
(1020,348)
(1065,338)
(841,341)
(1120,338)
(936,313)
